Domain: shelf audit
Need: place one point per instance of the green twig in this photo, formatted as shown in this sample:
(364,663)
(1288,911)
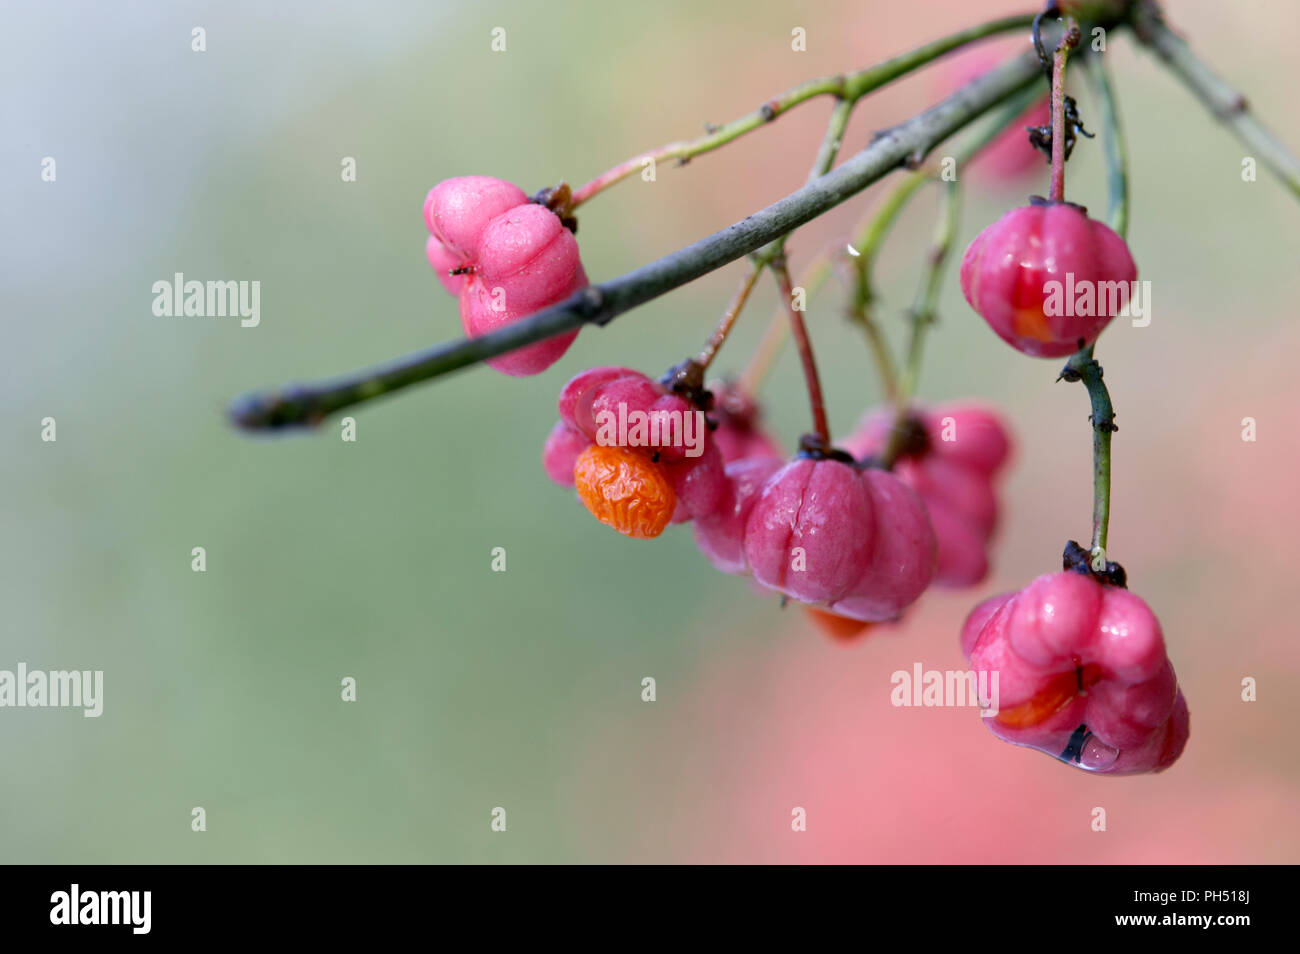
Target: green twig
(848,87)
(922,315)
(1116,147)
(1082,366)
(1224,102)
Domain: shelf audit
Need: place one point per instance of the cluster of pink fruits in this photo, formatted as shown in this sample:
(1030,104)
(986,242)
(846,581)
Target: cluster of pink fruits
(1083,669)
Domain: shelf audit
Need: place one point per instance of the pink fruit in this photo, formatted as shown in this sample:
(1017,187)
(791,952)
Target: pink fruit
(951,464)
(962,554)
(443,262)
(647,414)
(968,433)
(739,433)
(811,532)
(481,312)
(530,256)
(582,381)
(700,483)
(721,535)
(458,210)
(518,258)
(965,491)
(1082,674)
(621,407)
(1047,278)
(902,561)
(563,445)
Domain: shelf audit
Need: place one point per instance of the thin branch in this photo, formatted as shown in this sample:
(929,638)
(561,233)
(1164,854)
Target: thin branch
(848,87)
(1116,147)
(1224,102)
(1069,40)
(1082,366)
(804,346)
(922,315)
(904,144)
(728,320)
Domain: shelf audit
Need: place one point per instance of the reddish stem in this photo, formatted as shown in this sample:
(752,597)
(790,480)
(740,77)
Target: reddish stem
(1068,42)
(804,346)
(724,326)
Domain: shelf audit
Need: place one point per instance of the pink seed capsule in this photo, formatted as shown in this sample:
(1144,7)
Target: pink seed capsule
(563,445)
(700,484)
(518,258)
(812,531)
(483,311)
(903,559)
(739,433)
(1047,278)
(969,434)
(457,211)
(720,535)
(962,448)
(528,254)
(1081,673)
(964,491)
(443,263)
(584,380)
(598,408)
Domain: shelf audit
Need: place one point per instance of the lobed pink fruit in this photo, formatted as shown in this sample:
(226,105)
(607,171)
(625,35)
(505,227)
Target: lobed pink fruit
(979,438)
(1082,674)
(530,256)
(582,381)
(1005,271)
(720,535)
(811,532)
(902,561)
(482,312)
(443,261)
(964,491)
(964,447)
(739,433)
(611,399)
(458,210)
(560,453)
(962,551)
(519,258)
(700,483)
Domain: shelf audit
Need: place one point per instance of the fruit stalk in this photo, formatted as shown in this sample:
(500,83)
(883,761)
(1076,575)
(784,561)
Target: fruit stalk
(923,315)
(1084,367)
(829,149)
(305,405)
(804,347)
(1068,42)
(728,320)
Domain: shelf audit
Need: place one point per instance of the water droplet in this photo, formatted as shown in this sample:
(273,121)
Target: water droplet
(1097,755)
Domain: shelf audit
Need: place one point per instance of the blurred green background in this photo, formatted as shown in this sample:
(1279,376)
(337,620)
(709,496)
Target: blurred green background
(372,559)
